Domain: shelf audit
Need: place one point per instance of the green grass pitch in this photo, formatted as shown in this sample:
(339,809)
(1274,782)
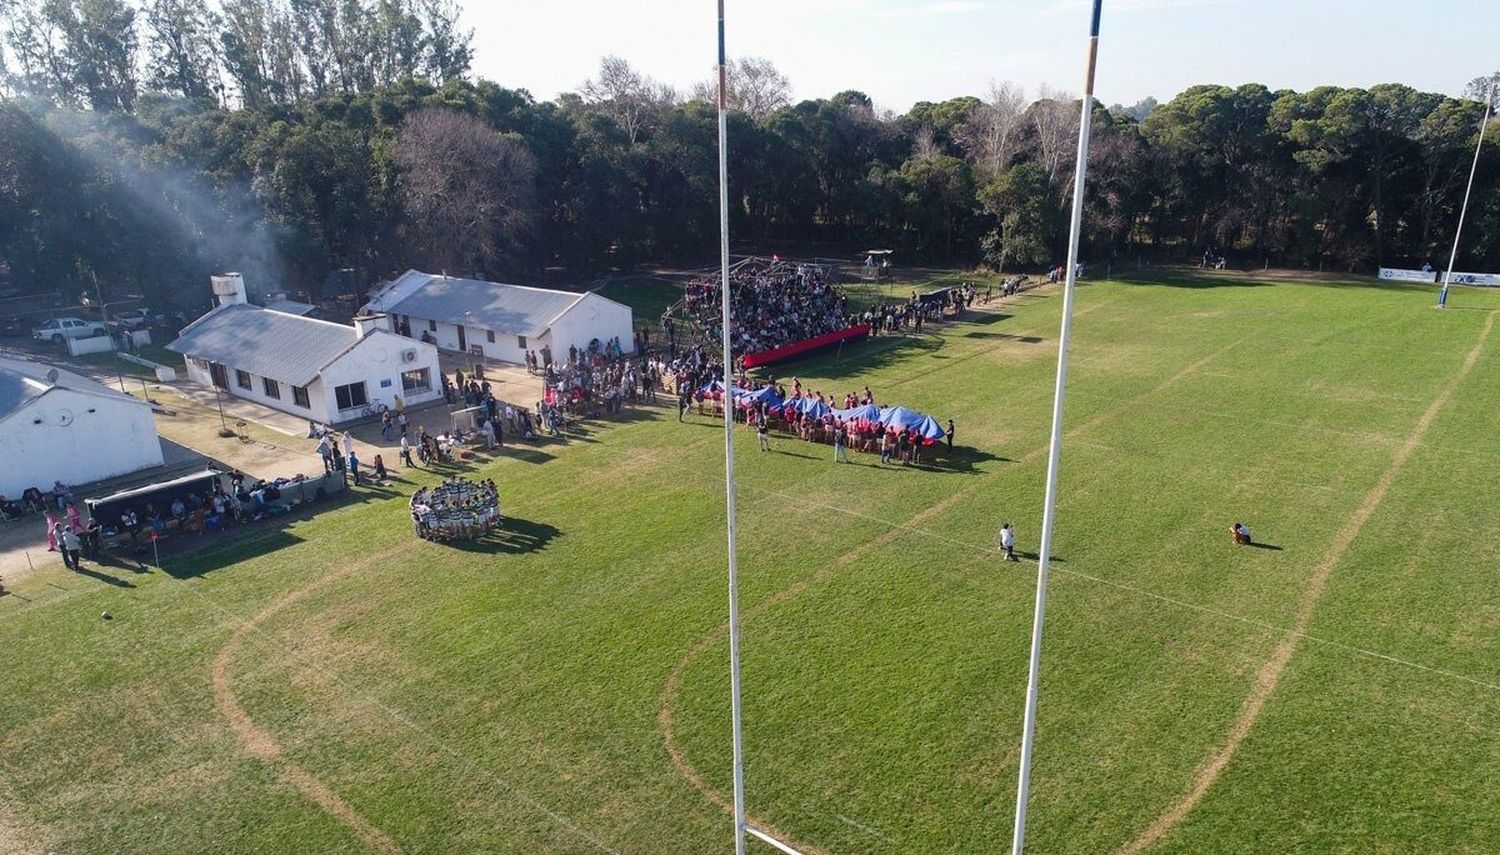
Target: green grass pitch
(340,686)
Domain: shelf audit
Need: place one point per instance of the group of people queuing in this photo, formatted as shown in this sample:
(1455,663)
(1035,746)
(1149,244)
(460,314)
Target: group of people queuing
(455,509)
(774,303)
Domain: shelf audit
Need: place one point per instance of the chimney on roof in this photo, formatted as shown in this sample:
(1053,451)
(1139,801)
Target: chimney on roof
(366,324)
(229,288)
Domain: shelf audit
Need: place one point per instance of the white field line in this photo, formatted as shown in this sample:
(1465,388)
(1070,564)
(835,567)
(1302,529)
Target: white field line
(1209,610)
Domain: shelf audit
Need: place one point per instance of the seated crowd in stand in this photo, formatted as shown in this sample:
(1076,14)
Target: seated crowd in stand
(775,304)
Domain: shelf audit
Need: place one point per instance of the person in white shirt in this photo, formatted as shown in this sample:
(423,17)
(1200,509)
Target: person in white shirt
(1008,542)
(348,444)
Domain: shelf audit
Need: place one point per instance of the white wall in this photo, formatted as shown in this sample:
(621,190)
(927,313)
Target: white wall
(116,438)
(590,318)
(377,359)
(505,348)
(256,392)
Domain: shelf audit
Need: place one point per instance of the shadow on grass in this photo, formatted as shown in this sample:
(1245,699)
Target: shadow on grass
(105,578)
(1271,547)
(514,536)
(1024,339)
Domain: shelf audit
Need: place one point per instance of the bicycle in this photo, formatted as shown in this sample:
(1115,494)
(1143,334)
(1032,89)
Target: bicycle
(374,408)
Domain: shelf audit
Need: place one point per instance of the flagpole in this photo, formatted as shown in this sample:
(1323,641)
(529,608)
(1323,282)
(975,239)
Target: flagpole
(1453,256)
(1049,507)
(734,577)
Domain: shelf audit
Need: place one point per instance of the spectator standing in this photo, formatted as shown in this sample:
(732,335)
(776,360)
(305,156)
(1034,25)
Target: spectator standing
(70,546)
(354,468)
(406,452)
(325,450)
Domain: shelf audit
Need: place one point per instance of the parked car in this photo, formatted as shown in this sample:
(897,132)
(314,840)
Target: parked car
(58,329)
(133,318)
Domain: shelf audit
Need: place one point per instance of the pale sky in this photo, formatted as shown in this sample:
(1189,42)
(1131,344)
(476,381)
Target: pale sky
(903,51)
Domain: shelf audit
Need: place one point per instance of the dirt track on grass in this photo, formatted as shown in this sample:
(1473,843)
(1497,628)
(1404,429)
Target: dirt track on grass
(262,745)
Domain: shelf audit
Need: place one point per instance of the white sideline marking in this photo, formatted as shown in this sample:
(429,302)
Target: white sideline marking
(865,828)
(761,835)
(1259,624)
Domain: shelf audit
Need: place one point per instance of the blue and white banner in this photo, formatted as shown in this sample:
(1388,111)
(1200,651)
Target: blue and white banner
(1491,280)
(1395,275)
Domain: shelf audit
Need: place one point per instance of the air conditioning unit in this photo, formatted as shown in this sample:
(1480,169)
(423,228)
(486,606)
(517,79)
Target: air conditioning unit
(409,355)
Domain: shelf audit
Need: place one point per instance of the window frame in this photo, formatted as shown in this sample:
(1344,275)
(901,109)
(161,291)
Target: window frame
(348,393)
(300,397)
(426,374)
(271,388)
(244,380)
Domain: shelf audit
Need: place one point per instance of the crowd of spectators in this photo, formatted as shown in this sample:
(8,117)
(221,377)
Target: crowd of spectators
(775,303)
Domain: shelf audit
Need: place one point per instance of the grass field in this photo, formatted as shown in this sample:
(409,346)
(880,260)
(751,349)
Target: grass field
(567,690)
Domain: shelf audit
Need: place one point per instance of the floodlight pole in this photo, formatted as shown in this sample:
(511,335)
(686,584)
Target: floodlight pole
(734,575)
(1049,507)
(1453,256)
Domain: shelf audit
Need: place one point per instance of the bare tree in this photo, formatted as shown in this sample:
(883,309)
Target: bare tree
(924,146)
(753,86)
(992,134)
(468,190)
(1054,119)
(632,98)
(1486,88)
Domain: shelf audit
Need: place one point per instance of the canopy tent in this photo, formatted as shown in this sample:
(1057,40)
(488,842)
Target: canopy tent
(107,509)
(902,419)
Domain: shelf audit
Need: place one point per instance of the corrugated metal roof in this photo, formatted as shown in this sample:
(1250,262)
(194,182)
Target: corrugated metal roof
(291,307)
(23,381)
(512,309)
(288,348)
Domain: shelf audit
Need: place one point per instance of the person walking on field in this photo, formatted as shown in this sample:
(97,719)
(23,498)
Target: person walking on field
(1008,542)
(765,438)
(406,452)
(840,441)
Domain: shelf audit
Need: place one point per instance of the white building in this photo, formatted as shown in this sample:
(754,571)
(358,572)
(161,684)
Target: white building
(58,426)
(500,321)
(318,370)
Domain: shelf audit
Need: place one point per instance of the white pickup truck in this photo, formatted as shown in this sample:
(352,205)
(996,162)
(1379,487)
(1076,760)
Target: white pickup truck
(58,329)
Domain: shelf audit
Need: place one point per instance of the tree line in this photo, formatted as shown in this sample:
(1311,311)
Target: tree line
(308,141)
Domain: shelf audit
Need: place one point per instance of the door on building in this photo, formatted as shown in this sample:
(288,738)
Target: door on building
(219,375)
(463,339)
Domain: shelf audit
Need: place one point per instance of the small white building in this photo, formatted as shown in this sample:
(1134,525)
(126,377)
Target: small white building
(500,321)
(58,426)
(318,370)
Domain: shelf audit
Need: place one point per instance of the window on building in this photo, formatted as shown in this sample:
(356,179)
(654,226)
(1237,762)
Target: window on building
(521,341)
(417,380)
(299,397)
(350,396)
(432,326)
(272,388)
(489,336)
(242,378)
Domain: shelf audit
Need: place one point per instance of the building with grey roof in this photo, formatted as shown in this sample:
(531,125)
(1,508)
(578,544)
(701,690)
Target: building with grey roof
(58,426)
(319,370)
(500,321)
